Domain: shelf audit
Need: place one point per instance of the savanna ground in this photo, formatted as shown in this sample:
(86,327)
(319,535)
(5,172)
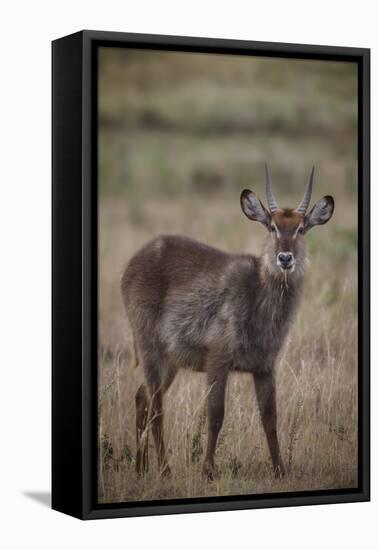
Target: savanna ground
(180,136)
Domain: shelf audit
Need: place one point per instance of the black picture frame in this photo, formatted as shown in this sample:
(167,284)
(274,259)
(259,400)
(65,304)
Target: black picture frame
(74,273)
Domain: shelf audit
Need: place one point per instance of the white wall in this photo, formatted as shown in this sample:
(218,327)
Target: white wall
(27,29)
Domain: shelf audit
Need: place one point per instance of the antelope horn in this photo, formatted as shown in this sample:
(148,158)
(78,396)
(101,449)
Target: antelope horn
(303,206)
(272,204)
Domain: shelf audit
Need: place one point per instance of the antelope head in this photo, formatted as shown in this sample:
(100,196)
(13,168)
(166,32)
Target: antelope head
(285,246)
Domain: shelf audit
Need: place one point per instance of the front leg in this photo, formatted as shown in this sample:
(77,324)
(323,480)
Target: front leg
(216,408)
(266,396)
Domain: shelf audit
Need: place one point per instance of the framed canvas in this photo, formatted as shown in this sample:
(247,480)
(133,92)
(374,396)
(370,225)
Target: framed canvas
(210,275)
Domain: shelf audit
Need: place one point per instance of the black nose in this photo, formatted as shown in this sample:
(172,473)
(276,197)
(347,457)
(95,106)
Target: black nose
(285,259)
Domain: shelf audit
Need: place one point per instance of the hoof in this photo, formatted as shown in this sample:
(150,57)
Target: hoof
(279,472)
(166,471)
(209,472)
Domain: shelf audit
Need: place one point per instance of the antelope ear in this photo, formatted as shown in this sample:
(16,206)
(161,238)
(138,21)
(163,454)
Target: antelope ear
(320,213)
(253,208)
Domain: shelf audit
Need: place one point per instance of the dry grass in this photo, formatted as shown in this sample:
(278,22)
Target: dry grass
(317,393)
(182,179)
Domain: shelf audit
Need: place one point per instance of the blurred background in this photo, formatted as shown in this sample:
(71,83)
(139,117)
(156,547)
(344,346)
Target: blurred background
(180,135)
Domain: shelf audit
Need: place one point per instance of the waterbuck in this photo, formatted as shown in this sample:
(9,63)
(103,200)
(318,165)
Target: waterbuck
(193,306)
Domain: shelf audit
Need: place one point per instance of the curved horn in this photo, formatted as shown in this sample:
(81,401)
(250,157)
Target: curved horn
(303,206)
(272,204)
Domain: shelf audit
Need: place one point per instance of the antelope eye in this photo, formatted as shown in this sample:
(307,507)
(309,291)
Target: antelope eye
(301,230)
(272,228)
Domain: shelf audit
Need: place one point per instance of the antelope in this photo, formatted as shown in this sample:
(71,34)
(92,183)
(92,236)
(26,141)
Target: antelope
(193,306)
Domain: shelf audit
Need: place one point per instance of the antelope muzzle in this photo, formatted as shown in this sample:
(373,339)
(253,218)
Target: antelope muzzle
(286,260)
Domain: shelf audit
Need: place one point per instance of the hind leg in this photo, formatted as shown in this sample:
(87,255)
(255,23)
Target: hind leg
(156,420)
(142,433)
